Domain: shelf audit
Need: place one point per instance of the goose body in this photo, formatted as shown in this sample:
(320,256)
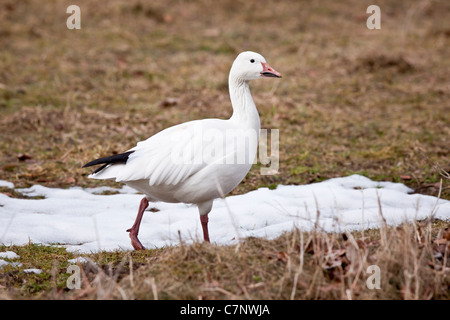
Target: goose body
(197,161)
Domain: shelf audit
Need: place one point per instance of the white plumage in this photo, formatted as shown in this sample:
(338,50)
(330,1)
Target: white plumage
(197,161)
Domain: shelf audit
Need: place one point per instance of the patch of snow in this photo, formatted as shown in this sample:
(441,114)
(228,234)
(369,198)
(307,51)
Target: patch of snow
(14,264)
(84,221)
(77,260)
(33,270)
(6,184)
(9,255)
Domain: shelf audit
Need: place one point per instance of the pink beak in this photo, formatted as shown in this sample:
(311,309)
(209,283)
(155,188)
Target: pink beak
(268,71)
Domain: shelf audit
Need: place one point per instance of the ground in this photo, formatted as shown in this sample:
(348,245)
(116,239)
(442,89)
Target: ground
(351,100)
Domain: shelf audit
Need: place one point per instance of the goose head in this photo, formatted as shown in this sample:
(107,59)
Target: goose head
(250,66)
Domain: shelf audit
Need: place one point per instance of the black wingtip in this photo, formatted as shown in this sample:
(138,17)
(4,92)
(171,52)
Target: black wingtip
(88,164)
(96,161)
(117,158)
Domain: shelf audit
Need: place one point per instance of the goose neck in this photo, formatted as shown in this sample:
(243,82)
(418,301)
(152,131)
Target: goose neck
(244,109)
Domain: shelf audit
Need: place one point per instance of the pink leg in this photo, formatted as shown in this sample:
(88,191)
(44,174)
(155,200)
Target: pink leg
(204,220)
(134,230)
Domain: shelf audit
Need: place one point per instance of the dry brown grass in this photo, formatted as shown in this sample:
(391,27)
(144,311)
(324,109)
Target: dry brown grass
(299,266)
(351,100)
(413,260)
(302,266)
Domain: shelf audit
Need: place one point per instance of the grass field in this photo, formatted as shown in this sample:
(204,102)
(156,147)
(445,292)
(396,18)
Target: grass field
(351,100)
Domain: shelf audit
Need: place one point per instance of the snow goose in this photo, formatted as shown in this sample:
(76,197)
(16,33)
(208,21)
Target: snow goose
(197,161)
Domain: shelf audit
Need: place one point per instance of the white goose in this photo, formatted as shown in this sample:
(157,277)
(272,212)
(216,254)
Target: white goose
(197,161)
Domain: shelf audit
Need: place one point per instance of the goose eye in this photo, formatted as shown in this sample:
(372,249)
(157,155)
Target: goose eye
(252,60)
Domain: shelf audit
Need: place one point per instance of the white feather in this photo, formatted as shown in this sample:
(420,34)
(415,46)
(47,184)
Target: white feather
(195,162)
